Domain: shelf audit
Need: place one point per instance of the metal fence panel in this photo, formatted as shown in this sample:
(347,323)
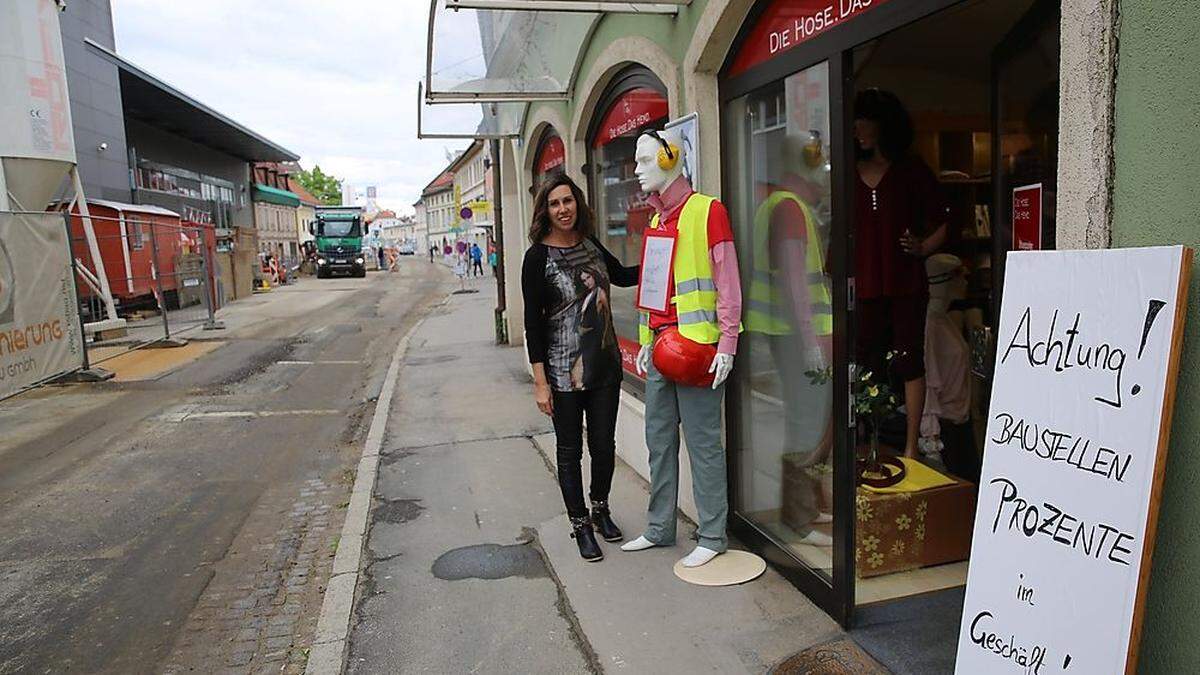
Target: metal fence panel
(40,334)
(161,274)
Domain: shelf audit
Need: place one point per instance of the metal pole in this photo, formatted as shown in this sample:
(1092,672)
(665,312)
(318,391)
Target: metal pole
(93,247)
(209,290)
(498,235)
(87,364)
(162,298)
(3,190)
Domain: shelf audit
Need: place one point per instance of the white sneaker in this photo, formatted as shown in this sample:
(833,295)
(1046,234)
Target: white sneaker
(817,538)
(699,556)
(639,544)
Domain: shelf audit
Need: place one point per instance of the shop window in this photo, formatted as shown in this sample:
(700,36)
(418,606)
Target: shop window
(550,158)
(635,103)
(781,205)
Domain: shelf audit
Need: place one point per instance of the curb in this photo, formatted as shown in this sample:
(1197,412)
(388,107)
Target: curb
(328,652)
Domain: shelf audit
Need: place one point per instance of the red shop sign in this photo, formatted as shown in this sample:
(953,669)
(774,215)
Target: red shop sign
(788,23)
(634,110)
(1027,218)
(552,155)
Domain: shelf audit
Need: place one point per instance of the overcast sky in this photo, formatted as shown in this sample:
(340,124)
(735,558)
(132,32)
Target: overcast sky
(334,82)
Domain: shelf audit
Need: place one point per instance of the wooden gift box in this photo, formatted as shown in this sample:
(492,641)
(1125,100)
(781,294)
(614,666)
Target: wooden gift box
(904,531)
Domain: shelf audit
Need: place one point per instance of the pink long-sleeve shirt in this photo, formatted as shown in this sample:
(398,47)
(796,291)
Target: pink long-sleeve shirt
(721,253)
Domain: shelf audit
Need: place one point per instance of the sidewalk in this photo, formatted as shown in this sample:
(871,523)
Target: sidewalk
(469,567)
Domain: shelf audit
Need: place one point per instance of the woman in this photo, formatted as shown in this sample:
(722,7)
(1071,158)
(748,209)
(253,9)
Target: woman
(899,220)
(572,346)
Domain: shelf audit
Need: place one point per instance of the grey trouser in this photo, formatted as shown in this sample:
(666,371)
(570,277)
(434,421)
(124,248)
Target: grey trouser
(699,409)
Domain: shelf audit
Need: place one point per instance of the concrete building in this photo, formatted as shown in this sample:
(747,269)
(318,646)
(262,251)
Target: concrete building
(140,140)
(472,192)
(1067,94)
(438,205)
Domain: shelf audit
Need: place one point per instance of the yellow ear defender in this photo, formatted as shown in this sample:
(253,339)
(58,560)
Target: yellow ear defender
(668,154)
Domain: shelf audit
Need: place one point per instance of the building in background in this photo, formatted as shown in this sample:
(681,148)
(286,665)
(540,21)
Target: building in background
(472,194)
(421,226)
(305,213)
(140,140)
(437,200)
(276,212)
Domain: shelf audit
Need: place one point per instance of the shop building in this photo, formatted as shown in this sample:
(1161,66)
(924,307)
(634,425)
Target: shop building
(276,212)
(1027,100)
(438,206)
(142,141)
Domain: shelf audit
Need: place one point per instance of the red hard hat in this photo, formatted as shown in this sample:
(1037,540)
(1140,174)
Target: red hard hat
(682,360)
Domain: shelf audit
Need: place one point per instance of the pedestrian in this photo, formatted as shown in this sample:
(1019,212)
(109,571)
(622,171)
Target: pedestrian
(432,252)
(476,260)
(493,259)
(573,349)
(379,253)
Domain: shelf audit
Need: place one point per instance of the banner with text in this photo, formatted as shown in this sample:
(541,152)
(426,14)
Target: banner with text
(1086,359)
(39,315)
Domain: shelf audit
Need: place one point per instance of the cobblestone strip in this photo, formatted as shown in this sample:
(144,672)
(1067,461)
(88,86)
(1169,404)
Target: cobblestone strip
(258,614)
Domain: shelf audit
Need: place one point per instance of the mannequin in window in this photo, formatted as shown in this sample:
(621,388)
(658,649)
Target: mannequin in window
(705,307)
(791,308)
(899,220)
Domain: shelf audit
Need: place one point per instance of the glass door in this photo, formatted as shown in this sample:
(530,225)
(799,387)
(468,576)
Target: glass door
(784,433)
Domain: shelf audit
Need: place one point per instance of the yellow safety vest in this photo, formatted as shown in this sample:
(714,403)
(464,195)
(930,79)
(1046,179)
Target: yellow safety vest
(695,291)
(765,310)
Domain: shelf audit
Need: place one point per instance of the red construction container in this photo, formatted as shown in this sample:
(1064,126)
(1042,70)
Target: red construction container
(123,235)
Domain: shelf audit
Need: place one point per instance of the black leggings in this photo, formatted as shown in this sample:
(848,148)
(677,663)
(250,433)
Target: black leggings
(600,406)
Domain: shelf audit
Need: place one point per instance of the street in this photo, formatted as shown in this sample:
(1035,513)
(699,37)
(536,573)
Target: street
(189,522)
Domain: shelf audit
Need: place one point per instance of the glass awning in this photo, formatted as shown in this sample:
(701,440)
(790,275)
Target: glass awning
(468,119)
(514,50)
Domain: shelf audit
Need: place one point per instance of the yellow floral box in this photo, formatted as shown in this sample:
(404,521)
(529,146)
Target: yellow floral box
(901,531)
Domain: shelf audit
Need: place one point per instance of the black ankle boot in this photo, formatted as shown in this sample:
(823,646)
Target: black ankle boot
(581,532)
(603,522)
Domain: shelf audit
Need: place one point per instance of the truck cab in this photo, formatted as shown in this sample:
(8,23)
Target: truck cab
(339,235)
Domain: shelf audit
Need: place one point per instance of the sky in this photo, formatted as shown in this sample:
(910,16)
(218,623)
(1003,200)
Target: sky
(332,81)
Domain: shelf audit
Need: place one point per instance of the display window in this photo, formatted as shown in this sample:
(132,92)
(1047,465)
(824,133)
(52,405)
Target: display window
(550,159)
(878,162)
(635,102)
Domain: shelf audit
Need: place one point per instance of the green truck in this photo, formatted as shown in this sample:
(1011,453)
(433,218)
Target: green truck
(339,234)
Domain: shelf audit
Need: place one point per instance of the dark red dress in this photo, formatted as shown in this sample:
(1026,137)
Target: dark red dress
(890,284)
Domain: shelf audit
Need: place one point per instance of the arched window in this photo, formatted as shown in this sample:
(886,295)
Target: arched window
(635,101)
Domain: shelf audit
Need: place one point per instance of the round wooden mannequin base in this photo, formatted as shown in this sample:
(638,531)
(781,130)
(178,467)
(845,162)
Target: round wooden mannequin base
(728,569)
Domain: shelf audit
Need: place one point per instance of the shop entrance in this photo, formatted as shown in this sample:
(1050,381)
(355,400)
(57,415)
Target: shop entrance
(880,169)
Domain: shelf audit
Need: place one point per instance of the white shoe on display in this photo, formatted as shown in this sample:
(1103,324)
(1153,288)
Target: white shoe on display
(639,544)
(699,556)
(817,538)
(823,518)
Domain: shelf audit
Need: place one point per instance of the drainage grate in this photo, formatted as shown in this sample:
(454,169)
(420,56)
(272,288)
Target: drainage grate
(840,657)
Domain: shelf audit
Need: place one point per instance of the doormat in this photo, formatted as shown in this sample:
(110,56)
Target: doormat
(840,657)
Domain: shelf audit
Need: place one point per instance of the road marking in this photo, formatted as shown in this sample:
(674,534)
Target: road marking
(182,415)
(319,363)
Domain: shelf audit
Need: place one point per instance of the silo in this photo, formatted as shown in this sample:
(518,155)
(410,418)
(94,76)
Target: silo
(37,146)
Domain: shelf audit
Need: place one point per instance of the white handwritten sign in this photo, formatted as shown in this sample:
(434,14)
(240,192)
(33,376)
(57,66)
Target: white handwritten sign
(1086,358)
(658,258)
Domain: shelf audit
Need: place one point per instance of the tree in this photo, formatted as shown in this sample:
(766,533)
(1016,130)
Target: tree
(326,188)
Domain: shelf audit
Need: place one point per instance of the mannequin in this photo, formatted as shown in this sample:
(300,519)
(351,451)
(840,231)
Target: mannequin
(705,261)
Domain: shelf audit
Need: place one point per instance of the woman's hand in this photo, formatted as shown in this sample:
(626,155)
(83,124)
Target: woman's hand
(912,244)
(541,395)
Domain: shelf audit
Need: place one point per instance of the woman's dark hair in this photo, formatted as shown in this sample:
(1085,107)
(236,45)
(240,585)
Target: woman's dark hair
(585,221)
(895,125)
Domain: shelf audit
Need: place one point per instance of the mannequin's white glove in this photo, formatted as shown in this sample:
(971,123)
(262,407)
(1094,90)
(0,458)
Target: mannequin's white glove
(721,365)
(814,358)
(642,363)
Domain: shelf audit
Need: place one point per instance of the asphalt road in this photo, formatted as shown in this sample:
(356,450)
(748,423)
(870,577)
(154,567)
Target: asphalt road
(122,506)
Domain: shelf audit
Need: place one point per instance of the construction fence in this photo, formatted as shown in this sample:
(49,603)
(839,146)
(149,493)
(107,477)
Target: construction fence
(162,274)
(41,337)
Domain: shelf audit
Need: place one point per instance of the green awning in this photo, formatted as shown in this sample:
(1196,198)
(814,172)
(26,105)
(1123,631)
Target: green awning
(270,195)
